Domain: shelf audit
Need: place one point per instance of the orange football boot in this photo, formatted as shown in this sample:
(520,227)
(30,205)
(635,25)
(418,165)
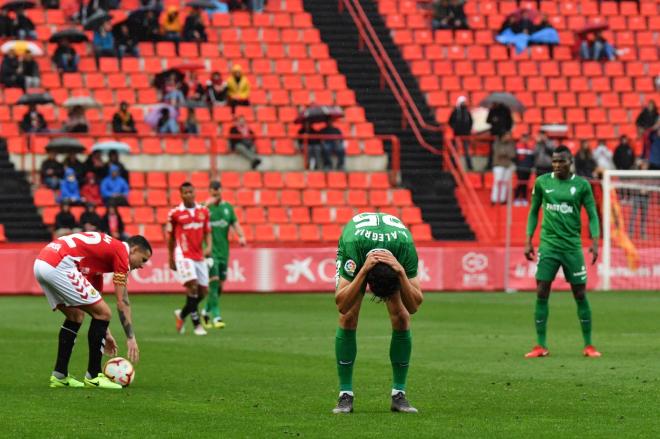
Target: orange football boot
(591,351)
(537,351)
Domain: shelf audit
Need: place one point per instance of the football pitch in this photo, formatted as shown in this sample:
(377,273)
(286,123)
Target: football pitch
(271,373)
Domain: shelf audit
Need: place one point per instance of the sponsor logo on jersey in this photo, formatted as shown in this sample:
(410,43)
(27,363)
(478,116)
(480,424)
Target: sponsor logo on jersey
(573,190)
(193,226)
(561,208)
(350,267)
(219,223)
(547,191)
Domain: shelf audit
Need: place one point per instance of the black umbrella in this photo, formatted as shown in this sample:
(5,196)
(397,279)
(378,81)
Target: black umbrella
(35,99)
(319,113)
(506,99)
(18,4)
(138,14)
(201,4)
(160,78)
(96,20)
(73,35)
(65,145)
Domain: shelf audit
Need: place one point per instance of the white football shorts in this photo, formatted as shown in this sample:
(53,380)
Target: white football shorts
(65,284)
(188,270)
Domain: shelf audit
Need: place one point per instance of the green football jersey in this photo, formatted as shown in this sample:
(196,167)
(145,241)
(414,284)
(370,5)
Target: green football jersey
(369,231)
(222,217)
(562,201)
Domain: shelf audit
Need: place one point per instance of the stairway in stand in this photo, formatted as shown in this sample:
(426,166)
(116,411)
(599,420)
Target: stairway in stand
(421,171)
(18,215)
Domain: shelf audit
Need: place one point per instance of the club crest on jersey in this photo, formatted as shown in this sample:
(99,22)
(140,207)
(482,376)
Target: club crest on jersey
(573,190)
(350,266)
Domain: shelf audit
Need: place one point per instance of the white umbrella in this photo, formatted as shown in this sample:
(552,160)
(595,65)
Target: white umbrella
(21,47)
(81,101)
(110,145)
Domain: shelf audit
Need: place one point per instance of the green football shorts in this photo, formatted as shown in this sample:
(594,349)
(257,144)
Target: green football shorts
(571,262)
(219,269)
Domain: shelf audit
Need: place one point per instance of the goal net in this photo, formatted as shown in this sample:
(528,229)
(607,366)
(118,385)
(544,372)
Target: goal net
(631,231)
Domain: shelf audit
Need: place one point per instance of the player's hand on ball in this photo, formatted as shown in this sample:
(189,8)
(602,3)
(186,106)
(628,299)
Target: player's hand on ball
(209,262)
(110,347)
(529,252)
(133,350)
(172,265)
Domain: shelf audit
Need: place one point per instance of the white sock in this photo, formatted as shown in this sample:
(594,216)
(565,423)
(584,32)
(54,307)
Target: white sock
(88,375)
(58,375)
(347,392)
(397,391)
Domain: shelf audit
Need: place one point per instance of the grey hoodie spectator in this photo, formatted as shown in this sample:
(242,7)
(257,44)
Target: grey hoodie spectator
(543,154)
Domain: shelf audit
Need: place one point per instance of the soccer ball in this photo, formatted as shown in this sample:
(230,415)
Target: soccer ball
(119,370)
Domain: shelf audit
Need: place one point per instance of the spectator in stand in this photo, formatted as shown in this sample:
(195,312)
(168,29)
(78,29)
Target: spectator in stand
(112,224)
(585,165)
(91,192)
(237,5)
(652,149)
(216,90)
(596,48)
(149,29)
(647,117)
(333,147)
(258,5)
(543,154)
(90,221)
(449,14)
(6,27)
(241,141)
(525,28)
(624,156)
(190,125)
(122,120)
(172,91)
(69,189)
(51,171)
(113,159)
(603,157)
(125,43)
(167,124)
(71,161)
(23,27)
(460,122)
(65,57)
(77,121)
(193,29)
(31,74)
(504,153)
(33,121)
(500,120)
(524,165)
(170,26)
(315,160)
(103,43)
(196,92)
(114,189)
(96,165)
(65,222)
(238,88)
(10,71)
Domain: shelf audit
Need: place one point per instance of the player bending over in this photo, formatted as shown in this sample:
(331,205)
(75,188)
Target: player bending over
(562,195)
(188,227)
(376,249)
(70,271)
(222,219)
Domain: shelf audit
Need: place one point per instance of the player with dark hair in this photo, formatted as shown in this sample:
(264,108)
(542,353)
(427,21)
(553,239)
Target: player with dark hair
(188,244)
(561,194)
(70,271)
(376,250)
(222,217)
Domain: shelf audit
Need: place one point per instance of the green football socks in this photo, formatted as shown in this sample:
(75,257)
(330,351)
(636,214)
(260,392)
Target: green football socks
(584,314)
(400,349)
(541,321)
(213,300)
(345,351)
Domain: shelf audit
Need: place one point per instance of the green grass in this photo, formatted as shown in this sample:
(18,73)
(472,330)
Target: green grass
(271,372)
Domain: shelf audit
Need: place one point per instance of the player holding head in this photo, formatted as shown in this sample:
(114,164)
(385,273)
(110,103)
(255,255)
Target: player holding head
(377,250)
(562,195)
(188,227)
(70,271)
(222,219)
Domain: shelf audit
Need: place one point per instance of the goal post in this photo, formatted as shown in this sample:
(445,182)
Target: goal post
(631,230)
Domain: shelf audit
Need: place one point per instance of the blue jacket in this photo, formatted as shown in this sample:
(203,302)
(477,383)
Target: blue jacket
(654,150)
(104,42)
(69,189)
(113,185)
